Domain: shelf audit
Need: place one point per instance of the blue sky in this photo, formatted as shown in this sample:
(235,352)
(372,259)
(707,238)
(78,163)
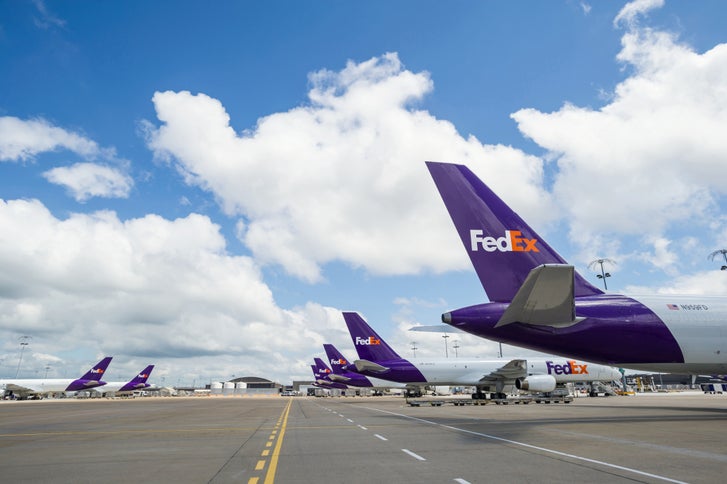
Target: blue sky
(206,186)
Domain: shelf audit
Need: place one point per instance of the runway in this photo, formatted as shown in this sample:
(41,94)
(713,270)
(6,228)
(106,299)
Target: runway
(363,440)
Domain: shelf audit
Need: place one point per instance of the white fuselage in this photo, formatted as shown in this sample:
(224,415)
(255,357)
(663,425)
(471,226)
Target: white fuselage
(471,372)
(31,386)
(698,325)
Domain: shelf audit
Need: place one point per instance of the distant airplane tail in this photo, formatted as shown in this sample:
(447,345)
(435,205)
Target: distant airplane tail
(368,344)
(321,367)
(502,247)
(98,370)
(139,381)
(92,378)
(335,358)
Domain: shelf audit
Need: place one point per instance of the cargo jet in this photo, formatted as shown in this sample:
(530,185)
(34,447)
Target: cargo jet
(321,374)
(536,374)
(342,375)
(538,300)
(38,387)
(125,387)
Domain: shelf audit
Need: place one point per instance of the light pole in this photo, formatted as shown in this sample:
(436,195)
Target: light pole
(414,348)
(23,344)
(455,345)
(724,254)
(446,349)
(603,275)
(47,367)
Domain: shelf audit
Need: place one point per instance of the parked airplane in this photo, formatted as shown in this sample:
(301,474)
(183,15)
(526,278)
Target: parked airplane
(538,301)
(339,374)
(38,387)
(123,387)
(535,374)
(321,374)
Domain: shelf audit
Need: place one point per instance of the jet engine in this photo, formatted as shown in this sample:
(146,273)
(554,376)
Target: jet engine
(536,383)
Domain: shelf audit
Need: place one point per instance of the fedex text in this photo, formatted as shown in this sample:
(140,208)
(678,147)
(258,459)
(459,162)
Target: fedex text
(512,241)
(570,368)
(367,341)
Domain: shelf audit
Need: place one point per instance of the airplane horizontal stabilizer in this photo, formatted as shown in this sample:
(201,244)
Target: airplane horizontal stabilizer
(545,298)
(339,378)
(436,328)
(366,365)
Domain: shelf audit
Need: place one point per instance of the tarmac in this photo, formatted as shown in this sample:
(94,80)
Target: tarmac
(643,438)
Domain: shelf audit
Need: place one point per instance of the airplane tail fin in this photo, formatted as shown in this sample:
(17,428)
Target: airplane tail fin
(139,381)
(368,344)
(502,247)
(321,367)
(98,370)
(335,358)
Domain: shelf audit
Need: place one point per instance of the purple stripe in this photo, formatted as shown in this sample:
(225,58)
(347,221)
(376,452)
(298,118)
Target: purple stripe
(400,371)
(617,330)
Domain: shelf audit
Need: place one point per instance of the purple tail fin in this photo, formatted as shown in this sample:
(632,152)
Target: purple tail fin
(315,371)
(335,358)
(98,370)
(502,247)
(321,367)
(368,344)
(139,381)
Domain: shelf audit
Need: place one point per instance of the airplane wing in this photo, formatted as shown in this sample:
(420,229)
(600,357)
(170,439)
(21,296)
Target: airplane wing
(14,387)
(545,298)
(510,372)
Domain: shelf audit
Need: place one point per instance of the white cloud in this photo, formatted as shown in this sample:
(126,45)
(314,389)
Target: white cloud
(22,140)
(654,156)
(630,12)
(86,180)
(162,289)
(342,178)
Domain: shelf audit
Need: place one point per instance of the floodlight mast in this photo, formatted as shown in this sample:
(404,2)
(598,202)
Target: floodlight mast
(598,263)
(717,253)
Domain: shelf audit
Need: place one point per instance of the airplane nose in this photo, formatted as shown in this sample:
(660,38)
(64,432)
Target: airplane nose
(447,318)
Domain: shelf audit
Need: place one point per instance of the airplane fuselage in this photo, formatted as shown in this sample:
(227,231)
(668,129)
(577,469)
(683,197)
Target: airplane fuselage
(44,386)
(654,333)
(471,372)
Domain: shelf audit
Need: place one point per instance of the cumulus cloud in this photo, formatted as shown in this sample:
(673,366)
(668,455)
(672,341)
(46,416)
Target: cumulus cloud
(653,157)
(631,11)
(21,140)
(86,180)
(343,177)
(145,287)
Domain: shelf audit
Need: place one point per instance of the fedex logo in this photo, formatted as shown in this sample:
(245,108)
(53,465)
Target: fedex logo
(367,341)
(143,375)
(570,368)
(512,241)
(339,361)
(97,370)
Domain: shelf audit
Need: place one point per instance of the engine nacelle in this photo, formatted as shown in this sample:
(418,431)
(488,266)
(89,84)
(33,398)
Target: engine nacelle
(536,383)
